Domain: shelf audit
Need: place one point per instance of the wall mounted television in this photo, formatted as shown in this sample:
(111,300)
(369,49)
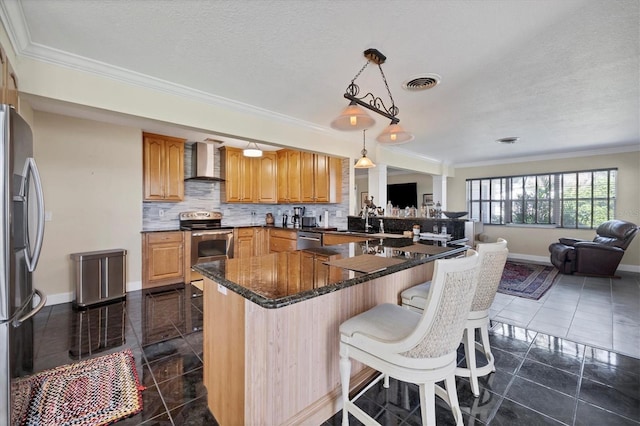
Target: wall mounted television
(403,194)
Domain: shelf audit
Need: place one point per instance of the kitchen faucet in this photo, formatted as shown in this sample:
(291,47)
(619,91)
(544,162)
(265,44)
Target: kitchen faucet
(365,213)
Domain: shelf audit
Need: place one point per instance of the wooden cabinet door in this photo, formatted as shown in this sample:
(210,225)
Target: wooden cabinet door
(163,168)
(246,176)
(174,170)
(282,176)
(307,192)
(231,168)
(321,178)
(153,167)
(260,241)
(282,240)
(266,178)
(163,254)
(289,176)
(293,170)
(243,245)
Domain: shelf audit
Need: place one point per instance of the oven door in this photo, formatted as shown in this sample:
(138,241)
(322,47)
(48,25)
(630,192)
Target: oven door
(207,246)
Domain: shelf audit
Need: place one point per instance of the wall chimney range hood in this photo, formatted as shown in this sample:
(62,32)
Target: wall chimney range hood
(202,156)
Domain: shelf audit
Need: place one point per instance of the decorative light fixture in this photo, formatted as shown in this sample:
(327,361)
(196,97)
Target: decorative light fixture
(354,117)
(250,151)
(364,162)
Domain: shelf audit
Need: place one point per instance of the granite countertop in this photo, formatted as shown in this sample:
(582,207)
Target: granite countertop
(280,279)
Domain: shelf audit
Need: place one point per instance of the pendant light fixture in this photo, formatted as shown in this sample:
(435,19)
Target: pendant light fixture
(354,117)
(252,150)
(394,134)
(364,162)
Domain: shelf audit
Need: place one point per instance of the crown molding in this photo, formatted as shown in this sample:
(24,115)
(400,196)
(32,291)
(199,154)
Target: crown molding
(14,22)
(554,156)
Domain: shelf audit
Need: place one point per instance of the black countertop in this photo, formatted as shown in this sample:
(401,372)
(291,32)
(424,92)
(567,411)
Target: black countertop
(280,279)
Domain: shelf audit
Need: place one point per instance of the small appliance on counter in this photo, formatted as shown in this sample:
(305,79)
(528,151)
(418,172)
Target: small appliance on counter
(298,212)
(309,222)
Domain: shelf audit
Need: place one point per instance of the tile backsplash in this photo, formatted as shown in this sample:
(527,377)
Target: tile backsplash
(204,195)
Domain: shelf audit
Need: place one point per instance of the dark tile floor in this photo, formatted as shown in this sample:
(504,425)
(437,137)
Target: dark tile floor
(540,379)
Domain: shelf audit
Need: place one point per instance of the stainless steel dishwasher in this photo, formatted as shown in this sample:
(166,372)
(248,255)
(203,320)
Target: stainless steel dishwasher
(309,239)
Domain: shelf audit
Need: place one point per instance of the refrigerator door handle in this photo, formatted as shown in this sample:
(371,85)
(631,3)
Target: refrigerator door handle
(43,300)
(30,167)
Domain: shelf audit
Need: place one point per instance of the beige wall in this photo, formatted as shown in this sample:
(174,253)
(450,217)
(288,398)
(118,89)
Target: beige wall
(533,243)
(92,178)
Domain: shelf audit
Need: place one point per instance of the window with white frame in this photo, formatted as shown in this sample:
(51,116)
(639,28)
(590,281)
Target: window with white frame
(577,199)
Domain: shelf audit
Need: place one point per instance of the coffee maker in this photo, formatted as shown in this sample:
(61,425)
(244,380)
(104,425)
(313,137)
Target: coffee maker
(296,219)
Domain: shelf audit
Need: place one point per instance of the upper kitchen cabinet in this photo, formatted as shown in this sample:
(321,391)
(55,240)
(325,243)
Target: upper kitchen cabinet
(321,178)
(248,179)
(289,174)
(266,171)
(163,168)
(237,174)
(8,82)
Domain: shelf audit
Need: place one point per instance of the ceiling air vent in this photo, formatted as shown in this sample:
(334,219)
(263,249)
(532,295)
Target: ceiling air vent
(421,82)
(508,140)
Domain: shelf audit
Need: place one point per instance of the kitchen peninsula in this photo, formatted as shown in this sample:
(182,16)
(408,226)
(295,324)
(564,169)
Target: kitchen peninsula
(271,324)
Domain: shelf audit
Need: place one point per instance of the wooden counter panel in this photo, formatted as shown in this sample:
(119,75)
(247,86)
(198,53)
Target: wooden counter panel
(292,353)
(223,352)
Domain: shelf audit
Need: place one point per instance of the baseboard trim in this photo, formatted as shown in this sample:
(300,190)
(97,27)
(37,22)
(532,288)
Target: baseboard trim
(545,260)
(59,298)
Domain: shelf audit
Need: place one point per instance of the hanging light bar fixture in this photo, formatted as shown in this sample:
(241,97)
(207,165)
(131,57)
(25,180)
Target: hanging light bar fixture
(354,117)
(364,162)
(252,150)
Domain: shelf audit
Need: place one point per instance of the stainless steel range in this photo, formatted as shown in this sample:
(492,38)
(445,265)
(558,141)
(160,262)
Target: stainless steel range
(209,239)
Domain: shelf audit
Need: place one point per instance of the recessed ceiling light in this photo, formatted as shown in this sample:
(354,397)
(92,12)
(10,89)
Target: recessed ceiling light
(508,140)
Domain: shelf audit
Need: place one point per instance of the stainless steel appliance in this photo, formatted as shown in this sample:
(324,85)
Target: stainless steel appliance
(22,220)
(309,239)
(298,212)
(308,222)
(209,239)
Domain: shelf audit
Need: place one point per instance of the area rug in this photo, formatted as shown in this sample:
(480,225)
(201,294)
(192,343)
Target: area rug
(527,280)
(97,391)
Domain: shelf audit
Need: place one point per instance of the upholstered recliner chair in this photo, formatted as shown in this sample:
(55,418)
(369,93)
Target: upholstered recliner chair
(599,257)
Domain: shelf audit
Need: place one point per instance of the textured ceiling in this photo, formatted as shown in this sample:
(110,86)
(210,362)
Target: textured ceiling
(561,75)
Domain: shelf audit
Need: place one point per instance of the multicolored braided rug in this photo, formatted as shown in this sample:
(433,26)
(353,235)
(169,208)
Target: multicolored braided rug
(527,280)
(98,391)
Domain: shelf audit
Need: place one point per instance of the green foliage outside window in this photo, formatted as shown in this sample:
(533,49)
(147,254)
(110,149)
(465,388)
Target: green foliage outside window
(582,199)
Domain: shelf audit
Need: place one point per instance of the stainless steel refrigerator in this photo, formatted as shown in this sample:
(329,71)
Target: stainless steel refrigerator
(22,221)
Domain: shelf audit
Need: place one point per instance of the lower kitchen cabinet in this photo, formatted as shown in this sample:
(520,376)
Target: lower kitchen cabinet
(282,240)
(250,242)
(163,259)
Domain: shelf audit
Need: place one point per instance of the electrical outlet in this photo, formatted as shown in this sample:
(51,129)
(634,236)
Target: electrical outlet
(160,213)
(48,216)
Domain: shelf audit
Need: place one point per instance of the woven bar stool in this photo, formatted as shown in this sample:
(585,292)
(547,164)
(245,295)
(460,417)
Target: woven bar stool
(493,257)
(410,347)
